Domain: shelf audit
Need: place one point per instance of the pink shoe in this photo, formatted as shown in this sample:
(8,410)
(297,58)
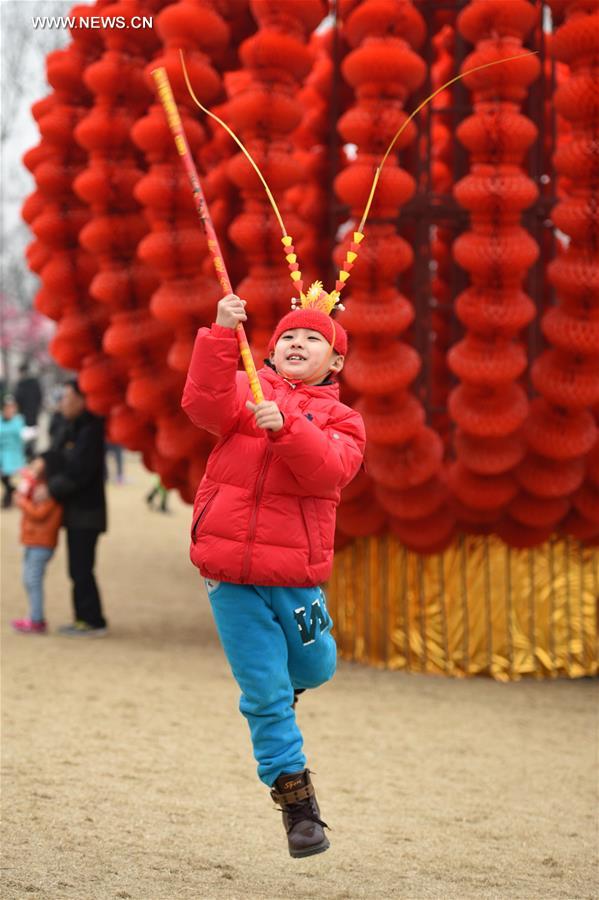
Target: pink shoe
(26,626)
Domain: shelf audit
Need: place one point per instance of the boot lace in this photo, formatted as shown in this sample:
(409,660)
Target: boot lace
(302,812)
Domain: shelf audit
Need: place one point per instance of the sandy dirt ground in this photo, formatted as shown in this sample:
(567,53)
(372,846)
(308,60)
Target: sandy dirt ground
(127,770)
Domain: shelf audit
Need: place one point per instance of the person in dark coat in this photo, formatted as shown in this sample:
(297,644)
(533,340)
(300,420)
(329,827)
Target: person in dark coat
(28,395)
(74,468)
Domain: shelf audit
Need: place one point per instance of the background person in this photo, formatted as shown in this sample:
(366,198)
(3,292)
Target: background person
(28,394)
(40,524)
(56,420)
(12,451)
(160,494)
(74,467)
(116,452)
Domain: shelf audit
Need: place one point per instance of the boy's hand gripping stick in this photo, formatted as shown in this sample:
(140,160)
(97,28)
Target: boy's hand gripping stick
(174,120)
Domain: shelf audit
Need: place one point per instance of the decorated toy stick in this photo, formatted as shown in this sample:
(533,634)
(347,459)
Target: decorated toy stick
(174,120)
(316,297)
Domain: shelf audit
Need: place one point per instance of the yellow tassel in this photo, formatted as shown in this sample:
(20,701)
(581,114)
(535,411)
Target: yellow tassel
(291,257)
(358,236)
(351,256)
(287,241)
(296,276)
(343,276)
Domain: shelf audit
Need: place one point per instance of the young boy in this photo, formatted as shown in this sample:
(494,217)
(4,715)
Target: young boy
(263,530)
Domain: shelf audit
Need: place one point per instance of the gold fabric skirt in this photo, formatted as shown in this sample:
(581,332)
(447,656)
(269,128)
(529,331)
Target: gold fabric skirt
(479,608)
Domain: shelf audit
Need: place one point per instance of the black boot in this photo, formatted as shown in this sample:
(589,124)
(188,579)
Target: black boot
(301,816)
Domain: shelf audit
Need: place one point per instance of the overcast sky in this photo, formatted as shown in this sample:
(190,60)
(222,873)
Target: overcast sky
(23,51)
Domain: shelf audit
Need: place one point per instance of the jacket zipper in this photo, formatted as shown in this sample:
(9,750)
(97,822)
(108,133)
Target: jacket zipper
(257,497)
(252,529)
(201,515)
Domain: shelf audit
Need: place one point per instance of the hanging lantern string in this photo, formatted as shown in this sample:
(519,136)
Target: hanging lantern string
(165,94)
(432,96)
(237,141)
(331,300)
(396,137)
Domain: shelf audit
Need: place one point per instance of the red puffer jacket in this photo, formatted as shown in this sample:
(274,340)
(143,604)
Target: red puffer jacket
(264,512)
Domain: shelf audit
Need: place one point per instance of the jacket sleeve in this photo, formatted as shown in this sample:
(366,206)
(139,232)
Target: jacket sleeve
(72,468)
(214,389)
(321,458)
(36,511)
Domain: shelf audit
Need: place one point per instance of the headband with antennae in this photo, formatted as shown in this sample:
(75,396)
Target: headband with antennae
(316,297)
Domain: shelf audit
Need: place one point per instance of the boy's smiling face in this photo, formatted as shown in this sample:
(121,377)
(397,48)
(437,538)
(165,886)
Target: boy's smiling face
(305,355)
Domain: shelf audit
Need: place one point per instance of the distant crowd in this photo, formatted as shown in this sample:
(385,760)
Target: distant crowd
(63,485)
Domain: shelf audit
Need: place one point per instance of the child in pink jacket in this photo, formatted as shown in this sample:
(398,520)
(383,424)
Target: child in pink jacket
(263,530)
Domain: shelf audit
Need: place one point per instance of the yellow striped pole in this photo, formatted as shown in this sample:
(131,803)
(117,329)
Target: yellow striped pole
(165,95)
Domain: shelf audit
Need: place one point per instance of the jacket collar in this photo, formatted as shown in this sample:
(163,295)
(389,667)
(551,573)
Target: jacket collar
(328,388)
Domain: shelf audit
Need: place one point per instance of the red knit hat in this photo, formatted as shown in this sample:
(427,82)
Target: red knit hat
(315,320)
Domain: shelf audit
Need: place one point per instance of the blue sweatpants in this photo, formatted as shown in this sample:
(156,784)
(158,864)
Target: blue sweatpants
(276,639)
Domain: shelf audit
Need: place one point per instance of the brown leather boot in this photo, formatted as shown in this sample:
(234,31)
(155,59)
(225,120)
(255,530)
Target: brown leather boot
(295,795)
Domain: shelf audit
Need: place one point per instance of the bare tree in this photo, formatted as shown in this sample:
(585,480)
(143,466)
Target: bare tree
(23,51)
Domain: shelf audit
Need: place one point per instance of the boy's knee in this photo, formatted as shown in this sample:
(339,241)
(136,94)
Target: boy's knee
(324,675)
(315,675)
(309,683)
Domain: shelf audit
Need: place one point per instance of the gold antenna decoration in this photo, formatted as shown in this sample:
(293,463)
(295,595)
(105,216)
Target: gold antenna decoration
(286,240)
(358,235)
(377,174)
(316,297)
